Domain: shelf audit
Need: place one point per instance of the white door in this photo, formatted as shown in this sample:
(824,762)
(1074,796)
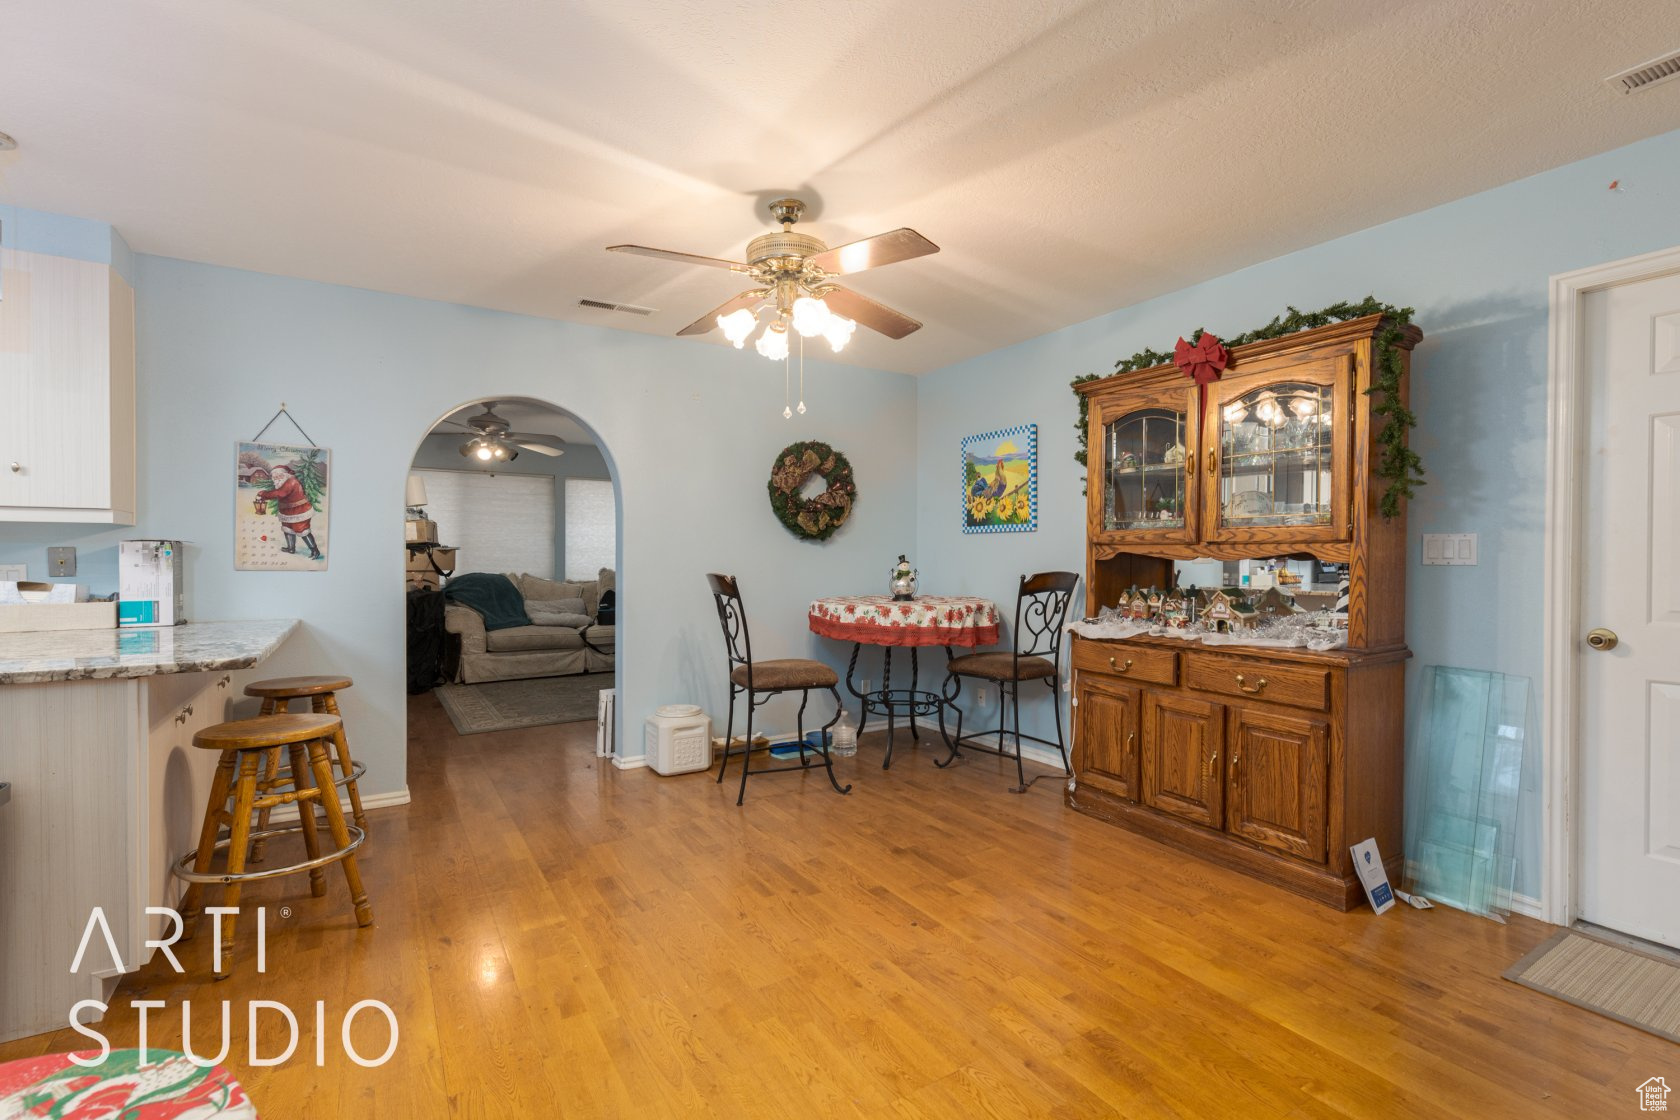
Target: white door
(1629,744)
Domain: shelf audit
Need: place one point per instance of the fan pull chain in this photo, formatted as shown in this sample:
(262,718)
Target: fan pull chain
(787,413)
(801,375)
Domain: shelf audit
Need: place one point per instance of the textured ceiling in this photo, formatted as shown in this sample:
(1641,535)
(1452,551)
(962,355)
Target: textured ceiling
(1070,158)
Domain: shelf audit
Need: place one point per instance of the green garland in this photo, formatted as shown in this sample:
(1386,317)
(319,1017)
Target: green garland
(817,518)
(1397,463)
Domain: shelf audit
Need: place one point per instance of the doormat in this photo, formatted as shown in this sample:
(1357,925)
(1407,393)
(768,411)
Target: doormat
(1638,988)
(506,705)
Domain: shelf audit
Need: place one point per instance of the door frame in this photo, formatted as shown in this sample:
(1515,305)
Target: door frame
(1560,707)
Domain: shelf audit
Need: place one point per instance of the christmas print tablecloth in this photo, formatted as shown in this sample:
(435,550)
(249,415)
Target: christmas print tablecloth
(165,1087)
(927,620)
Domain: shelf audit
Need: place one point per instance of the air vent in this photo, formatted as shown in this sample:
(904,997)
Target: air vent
(1647,74)
(627,308)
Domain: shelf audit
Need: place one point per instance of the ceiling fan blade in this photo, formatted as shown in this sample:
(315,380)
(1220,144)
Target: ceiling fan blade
(876,316)
(539,448)
(681,258)
(708,321)
(873,252)
(538,437)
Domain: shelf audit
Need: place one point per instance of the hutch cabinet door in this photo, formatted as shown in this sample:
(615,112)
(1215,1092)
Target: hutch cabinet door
(1277,458)
(1106,747)
(1142,448)
(1182,745)
(1279,781)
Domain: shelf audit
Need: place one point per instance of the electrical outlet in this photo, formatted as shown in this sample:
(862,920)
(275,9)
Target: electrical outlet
(980,696)
(13,573)
(61,561)
(866,689)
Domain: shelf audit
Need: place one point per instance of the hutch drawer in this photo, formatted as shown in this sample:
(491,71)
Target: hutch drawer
(1135,663)
(1257,679)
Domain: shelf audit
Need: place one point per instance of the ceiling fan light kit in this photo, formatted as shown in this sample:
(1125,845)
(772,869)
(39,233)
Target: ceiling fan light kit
(494,441)
(793,272)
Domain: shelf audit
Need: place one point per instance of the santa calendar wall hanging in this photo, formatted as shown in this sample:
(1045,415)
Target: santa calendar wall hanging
(281,504)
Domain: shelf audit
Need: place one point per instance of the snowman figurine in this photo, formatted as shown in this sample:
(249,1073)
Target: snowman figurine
(903,580)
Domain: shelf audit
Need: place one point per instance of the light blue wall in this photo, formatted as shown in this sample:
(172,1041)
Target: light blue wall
(690,432)
(1476,270)
(63,236)
(441,451)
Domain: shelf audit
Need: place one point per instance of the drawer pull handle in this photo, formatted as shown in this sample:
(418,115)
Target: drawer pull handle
(223,683)
(181,716)
(1213,464)
(17,468)
(1257,686)
(1120,668)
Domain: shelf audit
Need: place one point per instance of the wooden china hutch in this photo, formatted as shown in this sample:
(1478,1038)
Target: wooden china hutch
(1270,760)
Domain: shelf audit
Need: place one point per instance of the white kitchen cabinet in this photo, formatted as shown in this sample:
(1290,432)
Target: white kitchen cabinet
(66,391)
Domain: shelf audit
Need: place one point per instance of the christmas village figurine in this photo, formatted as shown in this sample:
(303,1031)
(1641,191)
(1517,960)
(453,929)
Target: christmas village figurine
(1227,611)
(1274,602)
(1175,611)
(1138,610)
(1123,605)
(1154,602)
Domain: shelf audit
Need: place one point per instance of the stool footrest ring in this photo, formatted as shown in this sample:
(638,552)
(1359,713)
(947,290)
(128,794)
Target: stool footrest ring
(183,866)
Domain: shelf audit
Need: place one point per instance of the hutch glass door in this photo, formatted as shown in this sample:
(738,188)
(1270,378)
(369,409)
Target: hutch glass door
(1282,459)
(1143,458)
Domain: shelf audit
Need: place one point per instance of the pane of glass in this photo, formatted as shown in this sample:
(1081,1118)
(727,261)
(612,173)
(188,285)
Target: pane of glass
(1275,457)
(1464,779)
(1143,456)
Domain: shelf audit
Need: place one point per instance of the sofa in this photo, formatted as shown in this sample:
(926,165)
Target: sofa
(519,652)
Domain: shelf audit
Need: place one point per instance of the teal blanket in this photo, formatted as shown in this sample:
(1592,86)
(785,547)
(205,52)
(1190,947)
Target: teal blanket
(491,595)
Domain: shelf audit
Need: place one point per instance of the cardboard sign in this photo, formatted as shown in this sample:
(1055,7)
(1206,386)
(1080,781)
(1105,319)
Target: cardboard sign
(1369,863)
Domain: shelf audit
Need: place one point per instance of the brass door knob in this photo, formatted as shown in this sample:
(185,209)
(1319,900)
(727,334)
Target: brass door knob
(1601,639)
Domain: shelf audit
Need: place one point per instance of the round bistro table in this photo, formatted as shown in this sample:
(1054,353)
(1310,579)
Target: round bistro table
(881,620)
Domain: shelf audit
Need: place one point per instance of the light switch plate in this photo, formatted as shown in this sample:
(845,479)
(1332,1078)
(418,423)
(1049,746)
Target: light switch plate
(61,561)
(1449,548)
(13,573)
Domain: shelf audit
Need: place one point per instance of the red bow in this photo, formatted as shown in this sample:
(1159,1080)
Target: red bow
(1203,361)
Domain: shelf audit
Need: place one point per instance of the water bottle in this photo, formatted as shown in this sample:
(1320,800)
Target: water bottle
(844,743)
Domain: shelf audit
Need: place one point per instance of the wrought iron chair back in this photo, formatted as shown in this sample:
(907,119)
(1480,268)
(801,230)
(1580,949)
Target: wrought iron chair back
(1041,610)
(732,616)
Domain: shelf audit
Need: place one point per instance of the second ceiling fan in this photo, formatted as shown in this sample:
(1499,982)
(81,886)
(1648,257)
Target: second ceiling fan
(792,276)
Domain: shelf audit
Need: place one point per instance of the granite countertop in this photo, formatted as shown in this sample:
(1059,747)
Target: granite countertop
(96,655)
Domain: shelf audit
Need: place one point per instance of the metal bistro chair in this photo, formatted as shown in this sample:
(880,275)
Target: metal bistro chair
(766,678)
(1041,608)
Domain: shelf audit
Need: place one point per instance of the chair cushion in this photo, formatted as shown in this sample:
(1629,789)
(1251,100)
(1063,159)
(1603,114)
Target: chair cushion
(1001,667)
(792,672)
(518,639)
(601,637)
(536,587)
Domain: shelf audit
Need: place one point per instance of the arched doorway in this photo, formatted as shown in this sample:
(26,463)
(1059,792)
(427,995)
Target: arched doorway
(521,495)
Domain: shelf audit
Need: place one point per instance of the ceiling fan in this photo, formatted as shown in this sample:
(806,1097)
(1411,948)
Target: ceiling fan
(791,274)
(494,440)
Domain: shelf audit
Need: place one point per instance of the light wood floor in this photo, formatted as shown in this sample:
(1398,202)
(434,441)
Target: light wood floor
(559,938)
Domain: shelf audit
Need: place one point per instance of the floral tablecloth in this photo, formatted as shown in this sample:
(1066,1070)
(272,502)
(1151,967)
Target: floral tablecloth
(927,620)
(166,1087)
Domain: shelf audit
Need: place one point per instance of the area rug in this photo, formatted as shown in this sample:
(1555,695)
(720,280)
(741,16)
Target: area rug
(505,705)
(1641,989)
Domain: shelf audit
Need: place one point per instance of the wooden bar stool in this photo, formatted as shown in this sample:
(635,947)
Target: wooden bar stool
(245,745)
(321,692)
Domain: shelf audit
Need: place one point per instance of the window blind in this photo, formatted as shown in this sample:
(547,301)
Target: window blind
(591,528)
(500,522)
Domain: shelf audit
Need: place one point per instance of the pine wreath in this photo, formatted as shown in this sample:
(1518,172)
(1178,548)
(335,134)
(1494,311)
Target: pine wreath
(815,518)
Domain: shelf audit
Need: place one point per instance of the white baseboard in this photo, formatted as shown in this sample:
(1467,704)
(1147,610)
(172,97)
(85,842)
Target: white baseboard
(288,813)
(636,763)
(1030,752)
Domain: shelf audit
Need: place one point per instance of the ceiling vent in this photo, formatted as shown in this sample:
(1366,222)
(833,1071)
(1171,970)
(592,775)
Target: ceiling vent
(1646,74)
(627,308)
